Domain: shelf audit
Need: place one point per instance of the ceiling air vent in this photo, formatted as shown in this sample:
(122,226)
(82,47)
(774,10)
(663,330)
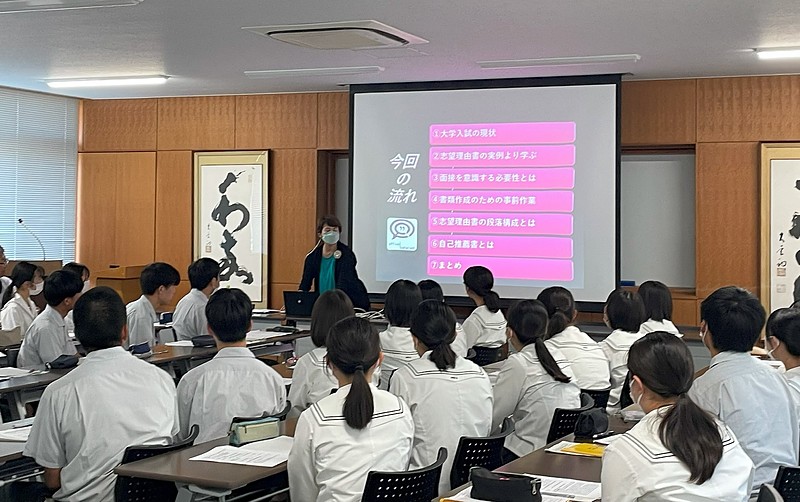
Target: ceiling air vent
(11,6)
(353,35)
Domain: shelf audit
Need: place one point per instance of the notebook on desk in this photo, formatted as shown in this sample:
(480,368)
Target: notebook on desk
(299,303)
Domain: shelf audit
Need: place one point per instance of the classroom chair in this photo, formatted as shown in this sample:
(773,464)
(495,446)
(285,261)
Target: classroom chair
(486,355)
(600,397)
(787,483)
(564,420)
(479,452)
(420,485)
(149,490)
(768,493)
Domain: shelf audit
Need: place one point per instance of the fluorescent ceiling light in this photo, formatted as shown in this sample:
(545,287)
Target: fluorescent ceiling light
(107,82)
(778,53)
(565,61)
(11,6)
(313,72)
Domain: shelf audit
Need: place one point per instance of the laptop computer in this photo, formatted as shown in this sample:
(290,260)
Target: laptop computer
(299,303)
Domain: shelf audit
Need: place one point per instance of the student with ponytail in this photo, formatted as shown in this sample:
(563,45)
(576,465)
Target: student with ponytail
(533,382)
(358,429)
(449,396)
(486,325)
(18,308)
(677,451)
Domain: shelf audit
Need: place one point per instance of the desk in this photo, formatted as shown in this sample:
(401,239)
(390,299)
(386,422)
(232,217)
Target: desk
(14,387)
(13,466)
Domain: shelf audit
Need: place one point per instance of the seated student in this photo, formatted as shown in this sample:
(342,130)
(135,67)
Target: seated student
(586,358)
(398,348)
(449,396)
(751,398)
(84,273)
(360,428)
(38,297)
(111,401)
(624,313)
(431,290)
(47,338)
(5,281)
(532,383)
(189,319)
(234,383)
(485,326)
(657,301)
(158,282)
(677,451)
(783,340)
(18,308)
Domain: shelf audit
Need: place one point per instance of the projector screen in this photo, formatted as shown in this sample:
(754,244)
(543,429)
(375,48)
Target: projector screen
(519,176)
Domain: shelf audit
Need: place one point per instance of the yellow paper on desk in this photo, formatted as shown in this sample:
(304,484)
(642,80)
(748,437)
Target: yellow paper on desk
(588,449)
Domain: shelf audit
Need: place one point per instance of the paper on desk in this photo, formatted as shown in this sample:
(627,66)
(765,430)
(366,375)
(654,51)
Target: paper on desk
(241,456)
(279,446)
(180,343)
(287,381)
(259,335)
(19,434)
(553,490)
(579,449)
(13,372)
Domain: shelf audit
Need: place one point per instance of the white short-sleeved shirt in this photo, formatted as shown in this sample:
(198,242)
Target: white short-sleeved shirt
(141,322)
(398,349)
(189,319)
(446,405)
(330,460)
(45,341)
(666,325)
(5,282)
(87,418)
(459,345)
(755,401)
(615,347)
(793,379)
(587,360)
(637,466)
(530,395)
(18,312)
(485,328)
(233,384)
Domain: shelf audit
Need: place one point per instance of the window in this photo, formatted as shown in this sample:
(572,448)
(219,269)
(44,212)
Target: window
(38,158)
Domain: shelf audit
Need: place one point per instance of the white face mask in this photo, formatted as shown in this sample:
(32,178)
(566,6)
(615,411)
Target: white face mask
(636,400)
(37,288)
(771,351)
(331,237)
(86,286)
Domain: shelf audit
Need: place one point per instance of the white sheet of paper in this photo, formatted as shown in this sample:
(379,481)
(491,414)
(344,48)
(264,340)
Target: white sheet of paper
(464,496)
(553,490)
(19,434)
(240,456)
(13,372)
(280,445)
(259,335)
(180,343)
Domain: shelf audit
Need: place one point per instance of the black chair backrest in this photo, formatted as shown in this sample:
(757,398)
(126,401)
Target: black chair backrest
(787,483)
(600,397)
(768,493)
(479,452)
(11,357)
(421,485)
(486,355)
(149,490)
(564,420)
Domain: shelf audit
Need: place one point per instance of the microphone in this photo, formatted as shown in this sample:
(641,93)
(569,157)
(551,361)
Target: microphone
(44,255)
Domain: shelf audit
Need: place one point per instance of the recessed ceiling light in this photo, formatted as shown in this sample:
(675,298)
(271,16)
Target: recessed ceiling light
(11,6)
(106,82)
(565,61)
(778,53)
(313,72)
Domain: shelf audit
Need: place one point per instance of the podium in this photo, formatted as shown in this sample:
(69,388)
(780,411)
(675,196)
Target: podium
(123,280)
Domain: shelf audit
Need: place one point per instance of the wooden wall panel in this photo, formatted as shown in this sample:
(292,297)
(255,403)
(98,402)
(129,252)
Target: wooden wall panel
(118,125)
(276,121)
(334,121)
(136,212)
(96,211)
(727,216)
(174,209)
(201,123)
(276,292)
(748,109)
(684,312)
(658,112)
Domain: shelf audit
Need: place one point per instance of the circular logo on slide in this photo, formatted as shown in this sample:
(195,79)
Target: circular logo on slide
(402,228)
(401,234)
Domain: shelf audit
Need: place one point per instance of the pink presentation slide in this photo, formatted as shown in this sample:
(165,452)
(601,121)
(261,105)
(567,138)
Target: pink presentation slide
(501,223)
(500,245)
(503,134)
(503,268)
(504,179)
(502,156)
(492,200)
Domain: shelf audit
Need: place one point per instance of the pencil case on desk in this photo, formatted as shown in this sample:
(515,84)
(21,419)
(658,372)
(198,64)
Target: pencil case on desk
(254,430)
(502,487)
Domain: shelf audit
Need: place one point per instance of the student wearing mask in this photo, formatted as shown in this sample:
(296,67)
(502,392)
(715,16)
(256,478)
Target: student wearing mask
(657,301)
(486,325)
(449,396)
(158,282)
(401,300)
(624,313)
(747,395)
(783,342)
(587,360)
(113,400)
(431,290)
(189,318)
(83,272)
(654,460)
(532,383)
(18,308)
(47,338)
(359,429)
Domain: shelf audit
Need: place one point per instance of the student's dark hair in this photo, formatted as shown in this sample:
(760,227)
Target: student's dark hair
(354,347)
(434,324)
(625,310)
(328,220)
(401,299)
(202,272)
(78,268)
(560,307)
(528,320)
(158,274)
(99,317)
(431,290)
(735,318)
(664,364)
(797,257)
(60,285)
(481,281)
(228,313)
(657,300)
(331,307)
(22,273)
(784,324)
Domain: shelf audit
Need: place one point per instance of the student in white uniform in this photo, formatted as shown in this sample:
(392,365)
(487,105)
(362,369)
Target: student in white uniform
(401,299)
(783,341)
(189,318)
(486,325)
(358,429)
(587,360)
(624,313)
(532,383)
(234,383)
(47,338)
(18,308)
(111,401)
(4,280)
(678,451)
(449,396)
(84,273)
(431,290)
(748,395)
(657,300)
(158,282)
